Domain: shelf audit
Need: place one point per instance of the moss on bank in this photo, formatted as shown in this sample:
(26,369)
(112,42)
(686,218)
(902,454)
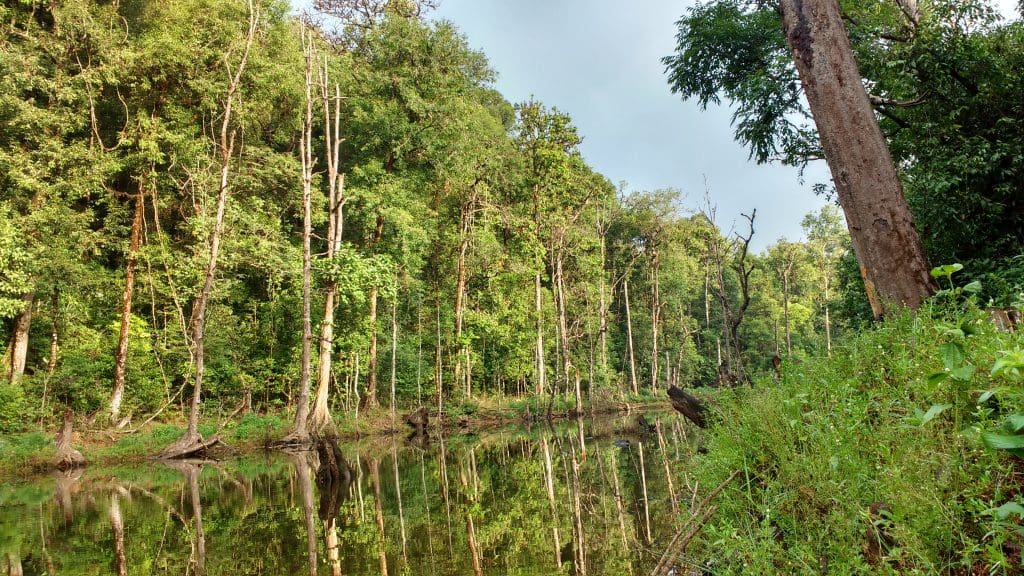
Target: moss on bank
(871,462)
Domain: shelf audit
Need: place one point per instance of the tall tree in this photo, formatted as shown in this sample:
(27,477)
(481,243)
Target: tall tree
(191,441)
(895,268)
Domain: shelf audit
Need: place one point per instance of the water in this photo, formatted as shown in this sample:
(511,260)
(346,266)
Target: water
(509,502)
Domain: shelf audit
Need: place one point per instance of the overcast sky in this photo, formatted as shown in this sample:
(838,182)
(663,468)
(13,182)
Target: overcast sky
(599,61)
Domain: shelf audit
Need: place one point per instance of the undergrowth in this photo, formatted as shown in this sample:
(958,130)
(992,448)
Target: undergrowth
(873,462)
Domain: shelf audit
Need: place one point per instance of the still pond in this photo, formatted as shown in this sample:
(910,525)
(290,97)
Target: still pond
(589,497)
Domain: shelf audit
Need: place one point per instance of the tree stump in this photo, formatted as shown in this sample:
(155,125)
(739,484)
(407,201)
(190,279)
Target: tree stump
(67,457)
(419,421)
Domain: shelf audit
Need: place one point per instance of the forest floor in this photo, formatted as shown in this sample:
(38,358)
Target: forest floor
(31,453)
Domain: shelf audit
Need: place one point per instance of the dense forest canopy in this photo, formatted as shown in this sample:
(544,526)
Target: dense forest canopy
(342,207)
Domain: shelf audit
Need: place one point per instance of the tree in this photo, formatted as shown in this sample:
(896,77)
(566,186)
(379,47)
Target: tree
(192,442)
(881,227)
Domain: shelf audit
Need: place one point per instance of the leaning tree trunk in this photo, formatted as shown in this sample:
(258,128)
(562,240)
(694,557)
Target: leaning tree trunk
(892,262)
(121,359)
(192,442)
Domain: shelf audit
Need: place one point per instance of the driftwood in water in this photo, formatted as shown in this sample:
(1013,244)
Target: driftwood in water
(419,421)
(688,406)
(67,456)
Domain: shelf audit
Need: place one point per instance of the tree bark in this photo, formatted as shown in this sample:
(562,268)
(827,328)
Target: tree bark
(892,262)
(121,358)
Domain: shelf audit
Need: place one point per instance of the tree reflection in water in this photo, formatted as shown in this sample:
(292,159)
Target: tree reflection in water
(581,497)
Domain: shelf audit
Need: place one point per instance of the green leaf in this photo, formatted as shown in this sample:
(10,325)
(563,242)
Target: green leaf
(1014,422)
(963,373)
(934,411)
(1004,511)
(952,354)
(946,271)
(1009,442)
(936,378)
(973,287)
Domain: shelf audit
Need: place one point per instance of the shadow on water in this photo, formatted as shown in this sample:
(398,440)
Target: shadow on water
(586,497)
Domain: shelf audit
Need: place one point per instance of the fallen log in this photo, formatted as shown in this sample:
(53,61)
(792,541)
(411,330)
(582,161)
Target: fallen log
(687,405)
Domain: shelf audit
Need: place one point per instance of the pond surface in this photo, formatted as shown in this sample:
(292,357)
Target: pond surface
(519,501)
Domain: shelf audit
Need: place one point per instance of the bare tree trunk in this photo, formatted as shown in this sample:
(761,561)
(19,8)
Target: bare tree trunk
(67,456)
(370,399)
(629,339)
(539,309)
(787,271)
(320,418)
(300,432)
(394,352)
(192,442)
(121,358)
(655,320)
(563,325)
(828,321)
(465,212)
(892,262)
(17,349)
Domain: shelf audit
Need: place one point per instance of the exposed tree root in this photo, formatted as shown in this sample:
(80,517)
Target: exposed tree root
(189,445)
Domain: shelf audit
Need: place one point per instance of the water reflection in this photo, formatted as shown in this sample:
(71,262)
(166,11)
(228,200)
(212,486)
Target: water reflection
(581,498)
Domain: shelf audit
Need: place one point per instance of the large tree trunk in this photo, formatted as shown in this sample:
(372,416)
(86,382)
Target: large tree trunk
(892,262)
(17,349)
(121,359)
(192,442)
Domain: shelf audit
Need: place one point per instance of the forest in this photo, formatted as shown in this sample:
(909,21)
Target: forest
(223,213)
(292,215)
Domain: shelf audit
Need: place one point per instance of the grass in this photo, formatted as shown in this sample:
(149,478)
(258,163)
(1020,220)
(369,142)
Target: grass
(869,463)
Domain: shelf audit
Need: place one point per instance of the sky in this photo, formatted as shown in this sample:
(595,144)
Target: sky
(600,62)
